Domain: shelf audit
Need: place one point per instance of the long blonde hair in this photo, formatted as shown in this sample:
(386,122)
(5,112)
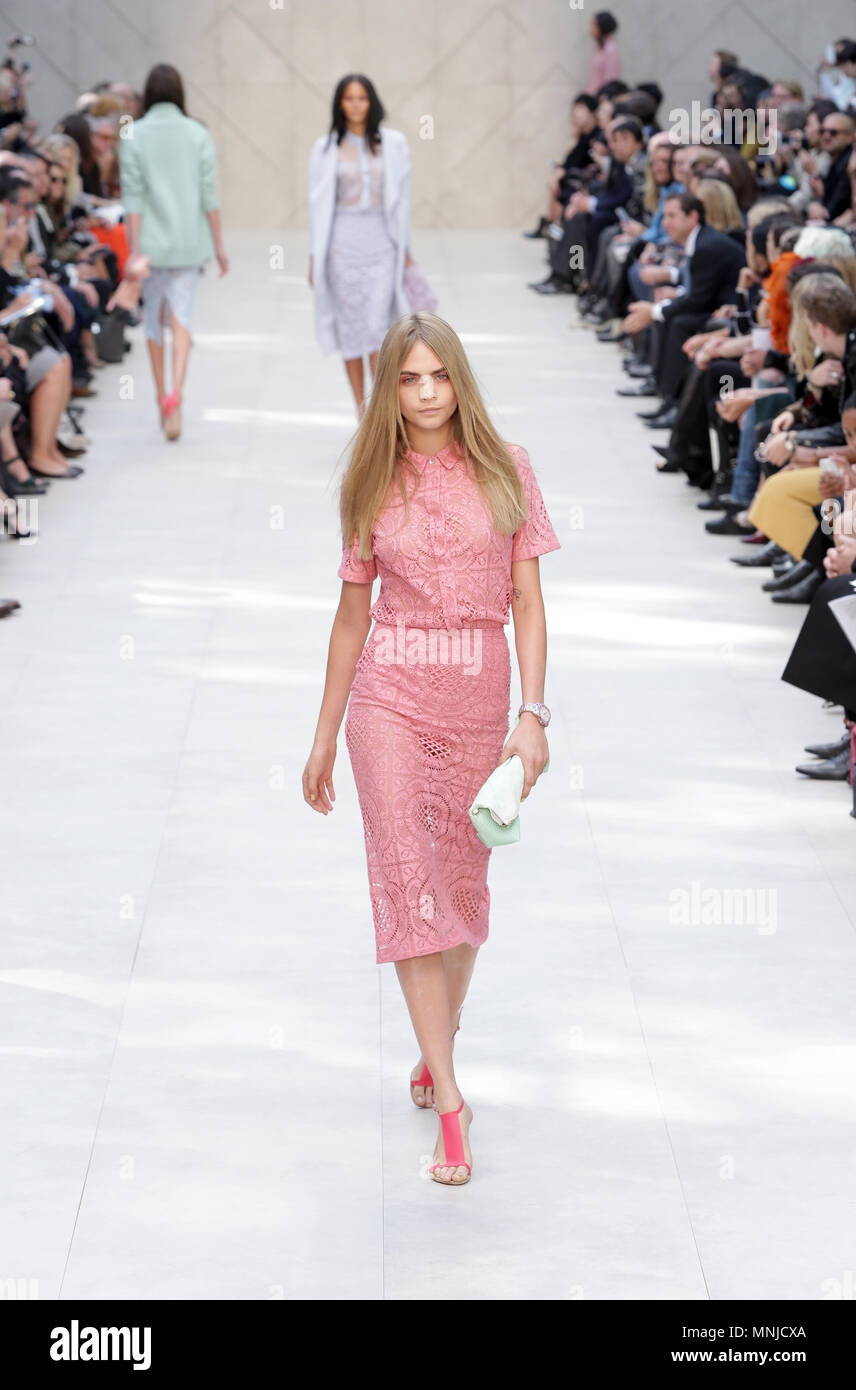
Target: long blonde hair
(720,205)
(378,455)
(51,146)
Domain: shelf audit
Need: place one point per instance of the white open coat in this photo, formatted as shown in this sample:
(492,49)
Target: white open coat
(322,205)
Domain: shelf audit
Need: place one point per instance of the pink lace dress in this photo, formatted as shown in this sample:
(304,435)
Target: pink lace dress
(428,710)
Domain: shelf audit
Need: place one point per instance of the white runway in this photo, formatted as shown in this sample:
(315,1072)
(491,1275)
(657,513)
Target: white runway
(204,1073)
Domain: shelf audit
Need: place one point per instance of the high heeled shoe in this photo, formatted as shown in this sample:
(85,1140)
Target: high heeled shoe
(15,487)
(425,1078)
(453,1147)
(171,415)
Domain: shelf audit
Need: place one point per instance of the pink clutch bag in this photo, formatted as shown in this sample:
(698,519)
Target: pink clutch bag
(419,293)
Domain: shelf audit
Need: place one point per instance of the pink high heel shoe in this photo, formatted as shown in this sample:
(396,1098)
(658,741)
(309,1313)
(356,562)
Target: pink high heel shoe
(425,1078)
(453,1147)
(171,415)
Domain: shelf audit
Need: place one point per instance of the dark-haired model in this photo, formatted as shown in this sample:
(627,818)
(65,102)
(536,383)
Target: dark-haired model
(359,228)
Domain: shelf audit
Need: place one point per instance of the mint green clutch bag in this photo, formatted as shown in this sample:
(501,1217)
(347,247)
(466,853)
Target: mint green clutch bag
(500,794)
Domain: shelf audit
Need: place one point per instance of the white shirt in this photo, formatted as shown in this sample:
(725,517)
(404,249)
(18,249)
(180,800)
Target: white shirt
(675,273)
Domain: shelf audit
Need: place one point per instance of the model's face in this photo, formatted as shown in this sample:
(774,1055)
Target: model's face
(425,393)
(355,103)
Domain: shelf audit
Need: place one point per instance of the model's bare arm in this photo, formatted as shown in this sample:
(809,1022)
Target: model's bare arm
(530,638)
(350,629)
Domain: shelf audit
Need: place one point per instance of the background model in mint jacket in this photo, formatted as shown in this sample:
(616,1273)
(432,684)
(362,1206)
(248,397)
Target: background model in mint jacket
(168,179)
(168,172)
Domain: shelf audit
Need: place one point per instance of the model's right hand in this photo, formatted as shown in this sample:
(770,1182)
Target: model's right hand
(310,272)
(318,777)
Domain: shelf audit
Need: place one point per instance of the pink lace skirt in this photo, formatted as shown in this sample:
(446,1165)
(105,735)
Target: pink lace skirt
(427,718)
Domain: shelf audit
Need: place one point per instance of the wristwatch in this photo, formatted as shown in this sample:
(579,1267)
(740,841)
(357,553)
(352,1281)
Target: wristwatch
(541,712)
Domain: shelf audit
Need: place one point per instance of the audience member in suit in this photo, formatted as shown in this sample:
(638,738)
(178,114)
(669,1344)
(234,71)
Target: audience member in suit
(706,280)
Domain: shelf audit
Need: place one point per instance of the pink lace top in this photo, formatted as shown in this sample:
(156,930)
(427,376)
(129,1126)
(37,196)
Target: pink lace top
(446,565)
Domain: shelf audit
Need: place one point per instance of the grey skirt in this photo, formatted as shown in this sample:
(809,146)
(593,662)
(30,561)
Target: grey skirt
(361,277)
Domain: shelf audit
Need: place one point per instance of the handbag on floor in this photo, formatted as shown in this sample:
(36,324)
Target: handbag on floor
(109,331)
(419,293)
(495,812)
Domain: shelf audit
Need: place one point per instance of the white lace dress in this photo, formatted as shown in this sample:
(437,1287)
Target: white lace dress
(361,255)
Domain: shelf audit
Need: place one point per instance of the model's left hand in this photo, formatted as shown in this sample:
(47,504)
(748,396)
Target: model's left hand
(408,259)
(529,742)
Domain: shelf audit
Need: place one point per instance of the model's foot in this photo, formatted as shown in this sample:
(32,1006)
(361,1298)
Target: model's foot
(443,1172)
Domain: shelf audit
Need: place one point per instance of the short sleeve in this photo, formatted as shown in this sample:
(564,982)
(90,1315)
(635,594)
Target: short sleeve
(352,568)
(535,535)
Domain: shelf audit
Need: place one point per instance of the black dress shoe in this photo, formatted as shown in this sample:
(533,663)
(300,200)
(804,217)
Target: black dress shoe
(646,387)
(666,420)
(652,414)
(794,575)
(668,466)
(713,503)
(836,769)
(728,525)
(803,592)
(610,335)
(7,606)
(639,370)
(782,566)
(760,558)
(829,750)
(536,231)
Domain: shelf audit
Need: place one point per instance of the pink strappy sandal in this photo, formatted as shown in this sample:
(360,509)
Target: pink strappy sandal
(425,1078)
(453,1147)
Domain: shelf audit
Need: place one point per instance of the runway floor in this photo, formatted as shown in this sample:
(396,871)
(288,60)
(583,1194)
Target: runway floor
(204,1074)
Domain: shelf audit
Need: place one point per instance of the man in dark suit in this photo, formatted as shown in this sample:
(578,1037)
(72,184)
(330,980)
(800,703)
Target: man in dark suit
(836,135)
(706,279)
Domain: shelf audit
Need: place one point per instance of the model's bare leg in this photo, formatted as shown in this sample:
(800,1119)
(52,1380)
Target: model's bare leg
(459,963)
(354,369)
(156,358)
(425,986)
(180,354)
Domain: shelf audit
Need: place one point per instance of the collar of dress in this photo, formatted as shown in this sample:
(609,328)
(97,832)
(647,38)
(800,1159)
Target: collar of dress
(448,456)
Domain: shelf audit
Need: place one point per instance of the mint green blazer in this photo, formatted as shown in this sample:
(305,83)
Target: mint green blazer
(168,173)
